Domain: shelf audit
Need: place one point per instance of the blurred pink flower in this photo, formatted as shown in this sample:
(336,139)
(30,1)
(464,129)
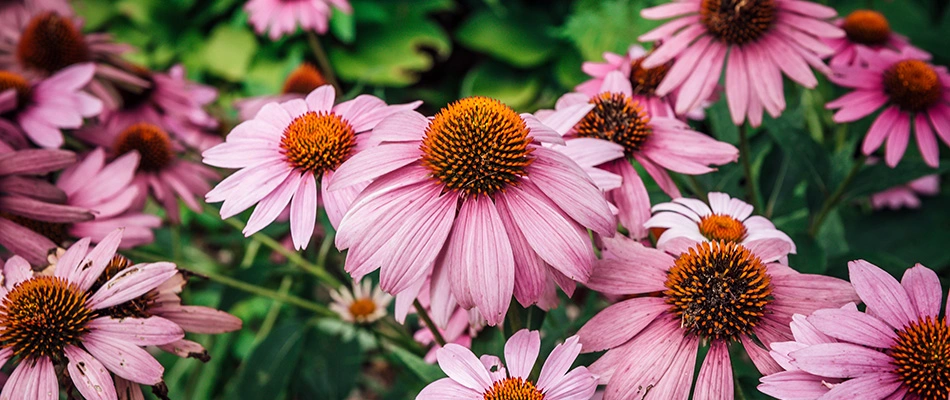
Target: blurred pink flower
(303,80)
(907,196)
(896,349)
(865,29)
(281,17)
(471,378)
(912,92)
(50,322)
(42,109)
(454,323)
(106,190)
(286,150)
(688,221)
(517,212)
(652,338)
(762,39)
(615,130)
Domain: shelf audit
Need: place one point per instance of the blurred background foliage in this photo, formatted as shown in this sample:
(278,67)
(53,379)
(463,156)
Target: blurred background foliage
(527,54)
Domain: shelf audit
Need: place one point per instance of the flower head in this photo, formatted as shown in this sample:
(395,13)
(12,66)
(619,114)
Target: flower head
(286,150)
(865,30)
(55,323)
(487,378)
(914,94)
(517,212)
(303,80)
(898,348)
(759,39)
(281,17)
(365,304)
(715,292)
(907,196)
(688,221)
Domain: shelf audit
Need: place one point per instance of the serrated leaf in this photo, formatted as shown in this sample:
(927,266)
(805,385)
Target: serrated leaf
(517,39)
(228,52)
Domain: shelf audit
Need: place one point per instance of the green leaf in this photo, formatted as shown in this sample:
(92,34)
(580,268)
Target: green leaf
(391,55)
(810,257)
(331,368)
(425,371)
(343,26)
(514,88)
(268,369)
(228,52)
(879,177)
(597,26)
(518,39)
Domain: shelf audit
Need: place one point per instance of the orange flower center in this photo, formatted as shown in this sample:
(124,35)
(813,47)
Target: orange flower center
(719,290)
(616,118)
(913,85)
(477,145)
(56,232)
(303,80)
(318,142)
(867,27)
(43,315)
(737,21)
(361,309)
(10,80)
(152,143)
(646,80)
(921,356)
(722,227)
(51,42)
(513,389)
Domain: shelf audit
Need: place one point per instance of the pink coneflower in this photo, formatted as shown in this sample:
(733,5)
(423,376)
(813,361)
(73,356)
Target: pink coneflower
(364,305)
(656,143)
(281,17)
(715,292)
(172,102)
(303,80)
(42,109)
(907,196)
(762,39)
(471,378)
(50,323)
(517,211)
(285,150)
(106,190)
(29,204)
(164,172)
(688,221)
(912,92)
(898,349)
(49,42)
(867,29)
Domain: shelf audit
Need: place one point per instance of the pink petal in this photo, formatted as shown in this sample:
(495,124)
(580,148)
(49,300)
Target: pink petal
(15,271)
(882,294)
(273,204)
(897,140)
(91,378)
(374,162)
(923,288)
(521,352)
(853,326)
(617,324)
(32,380)
(198,319)
(880,129)
(840,360)
(715,376)
(445,389)
(404,126)
(558,362)
(461,365)
(926,141)
(89,270)
(870,386)
(565,183)
(124,359)
(530,269)
(320,99)
(631,199)
(130,283)
(140,331)
(303,210)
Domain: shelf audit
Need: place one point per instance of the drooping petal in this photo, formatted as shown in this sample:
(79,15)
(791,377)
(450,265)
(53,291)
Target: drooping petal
(91,378)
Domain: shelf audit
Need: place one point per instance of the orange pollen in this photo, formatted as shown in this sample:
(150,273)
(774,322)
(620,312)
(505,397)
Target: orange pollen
(646,80)
(913,85)
(616,118)
(867,27)
(477,145)
(722,227)
(362,309)
(56,232)
(303,80)
(51,42)
(921,357)
(43,315)
(737,21)
(719,290)
(152,143)
(318,142)
(513,389)
(10,80)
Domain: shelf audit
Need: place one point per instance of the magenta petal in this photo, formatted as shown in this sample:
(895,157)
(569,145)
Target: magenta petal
(461,365)
(870,386)
(91,378)
(617,324)
(185,349)
(521,352)
(840,360)
(445,389)
(303,208)
(198,319)
(565,183)
(923,288)
(558,363)
(793,385)
(853,326)
(130,283)
(649,359)
(16,270)
(715,376)
(530,269)
(32,380)
(632,199)
(140,331)
(124,359)
(882,294)
(374,162)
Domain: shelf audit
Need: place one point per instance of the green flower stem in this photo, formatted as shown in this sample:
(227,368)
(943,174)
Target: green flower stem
(835,197)
(322,59)
(745,156)
(428,322)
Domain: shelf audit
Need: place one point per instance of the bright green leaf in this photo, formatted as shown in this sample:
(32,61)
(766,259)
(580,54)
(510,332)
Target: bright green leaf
(228,52)
(520,40)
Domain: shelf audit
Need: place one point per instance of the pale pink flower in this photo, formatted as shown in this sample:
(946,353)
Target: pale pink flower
(288,153)
(517,212)
(896,349)
(40,110)
(12,11)
(616,130)
(52,322)
(688,221)
(759,39)
(282,17)
(912,92)
(907,196)
(652,339)
(471,378)
(866,29)
(106,190)
(365,304)
(303,80)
